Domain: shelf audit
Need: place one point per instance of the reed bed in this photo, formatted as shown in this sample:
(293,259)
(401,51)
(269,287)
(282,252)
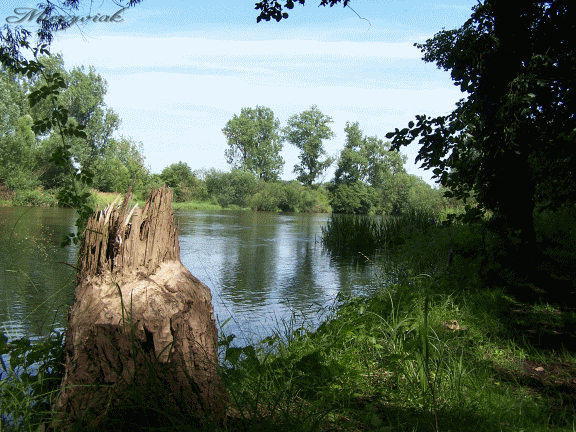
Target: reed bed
(357,232)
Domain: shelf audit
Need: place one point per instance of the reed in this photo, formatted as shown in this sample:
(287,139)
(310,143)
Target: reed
(368,233)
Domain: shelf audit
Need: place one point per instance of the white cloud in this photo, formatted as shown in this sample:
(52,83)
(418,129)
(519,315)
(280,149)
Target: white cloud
(166,52)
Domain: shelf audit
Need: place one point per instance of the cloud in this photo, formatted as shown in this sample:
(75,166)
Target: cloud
(166,52)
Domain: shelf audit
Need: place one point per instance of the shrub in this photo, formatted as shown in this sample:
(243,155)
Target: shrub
(33,198)
(269,197)
(154,182)
(235,187)
(354,198)
(194,191)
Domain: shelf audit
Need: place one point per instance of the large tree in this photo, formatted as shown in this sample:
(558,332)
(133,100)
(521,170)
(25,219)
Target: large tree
(510,143)
(84,100)
(306,131)
(255,142)
(367,159)
(121,166)
(18,144)
(364,173)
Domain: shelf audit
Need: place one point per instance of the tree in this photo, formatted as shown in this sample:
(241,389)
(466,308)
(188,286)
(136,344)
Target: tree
(365,171)
(511,141)
(176,174)
(306,131)
(18,145)
(255,143)
(83,98)
(273,9)
(354,198)
(121,166)
(366,159)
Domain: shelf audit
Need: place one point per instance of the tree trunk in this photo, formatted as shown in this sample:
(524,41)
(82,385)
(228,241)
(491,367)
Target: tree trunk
(141,342)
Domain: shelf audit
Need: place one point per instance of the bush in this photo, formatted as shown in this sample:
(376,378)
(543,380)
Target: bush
(34,198)
(195,191)
(293,197)
(236,187)
(154,182)
(354,198)
(269,197)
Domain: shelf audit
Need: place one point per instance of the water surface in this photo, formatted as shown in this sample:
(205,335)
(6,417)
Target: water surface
(264,269)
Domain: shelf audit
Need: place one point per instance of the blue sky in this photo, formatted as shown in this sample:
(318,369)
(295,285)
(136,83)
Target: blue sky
(178,70)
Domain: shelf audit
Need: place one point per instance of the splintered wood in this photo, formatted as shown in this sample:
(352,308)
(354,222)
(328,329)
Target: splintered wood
(139,320)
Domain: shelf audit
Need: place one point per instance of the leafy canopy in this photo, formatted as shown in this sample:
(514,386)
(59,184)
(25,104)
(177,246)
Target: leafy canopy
(510,143)
(306,131)
(366,159)
(273,9)
(255,142)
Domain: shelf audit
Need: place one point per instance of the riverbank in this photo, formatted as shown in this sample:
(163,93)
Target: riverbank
(441,350)
(429,349)
(102,199)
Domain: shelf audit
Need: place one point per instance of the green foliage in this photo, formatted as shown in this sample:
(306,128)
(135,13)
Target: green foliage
(30,379)
(406,192)
(37,198)
(235,187)
(354,198)
(82,100)
(366,159)
(255,143)
(186,186)
(67,108)
(299,198)
(48,91)
(367,176)
(154,182)
(121,166)
(177,174)
(270,196)
(289,197)
(19,168)
(506,144)
(306,131)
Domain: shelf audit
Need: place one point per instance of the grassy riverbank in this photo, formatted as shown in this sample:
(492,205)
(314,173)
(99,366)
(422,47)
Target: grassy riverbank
(429,349)
(100,200)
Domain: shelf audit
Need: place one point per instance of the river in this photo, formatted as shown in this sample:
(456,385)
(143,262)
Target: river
(266,271)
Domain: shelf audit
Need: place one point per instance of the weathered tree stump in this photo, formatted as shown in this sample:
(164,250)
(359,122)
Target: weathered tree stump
(141,342)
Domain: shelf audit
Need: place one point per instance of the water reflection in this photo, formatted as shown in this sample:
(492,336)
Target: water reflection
(35,284)
(263,268)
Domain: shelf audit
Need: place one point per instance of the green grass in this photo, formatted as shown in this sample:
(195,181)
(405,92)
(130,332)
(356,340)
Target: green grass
(369,233)
(189,206)
(429,349)
(102,199)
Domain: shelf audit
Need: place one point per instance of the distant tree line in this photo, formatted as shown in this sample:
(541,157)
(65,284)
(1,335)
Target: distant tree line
(26,158)
(369,178)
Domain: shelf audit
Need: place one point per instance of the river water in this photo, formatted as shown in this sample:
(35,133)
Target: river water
(266,271)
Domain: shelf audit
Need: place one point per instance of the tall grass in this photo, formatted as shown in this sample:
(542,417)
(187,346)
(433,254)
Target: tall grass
(372,232)
(435,352)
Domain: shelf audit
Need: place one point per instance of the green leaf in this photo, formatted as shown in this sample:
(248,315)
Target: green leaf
(232,355)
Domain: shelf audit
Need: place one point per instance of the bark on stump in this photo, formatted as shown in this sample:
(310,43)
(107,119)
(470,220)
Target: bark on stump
(141,342)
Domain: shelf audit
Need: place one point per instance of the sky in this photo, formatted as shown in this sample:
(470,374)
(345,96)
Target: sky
(178,70)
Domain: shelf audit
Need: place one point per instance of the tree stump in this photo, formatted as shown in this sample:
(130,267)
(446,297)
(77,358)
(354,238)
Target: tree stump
(141,342)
